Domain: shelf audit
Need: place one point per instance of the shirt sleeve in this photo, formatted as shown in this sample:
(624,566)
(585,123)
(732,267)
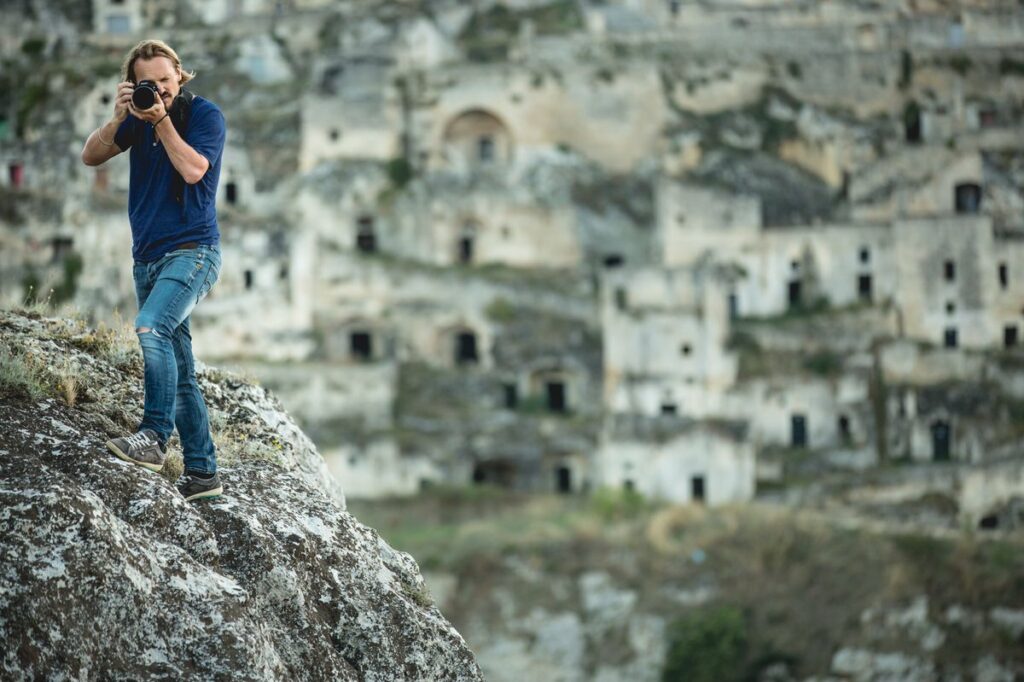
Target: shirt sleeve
(206,134)
(126,133)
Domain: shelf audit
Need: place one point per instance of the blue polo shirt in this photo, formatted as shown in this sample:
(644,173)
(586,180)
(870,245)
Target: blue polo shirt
(159,223)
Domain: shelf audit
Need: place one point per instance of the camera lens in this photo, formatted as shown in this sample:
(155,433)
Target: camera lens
(144,95)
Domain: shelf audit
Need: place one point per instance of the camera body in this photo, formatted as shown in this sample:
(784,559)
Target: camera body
(144,95)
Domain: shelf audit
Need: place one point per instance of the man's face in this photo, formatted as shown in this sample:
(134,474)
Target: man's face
(161,71)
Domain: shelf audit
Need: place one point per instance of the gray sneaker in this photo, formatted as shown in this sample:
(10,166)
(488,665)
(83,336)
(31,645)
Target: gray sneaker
(194,487)
(141,448)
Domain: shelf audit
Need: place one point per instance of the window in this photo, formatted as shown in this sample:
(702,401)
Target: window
(864,287)
(485,149)
(798,431)
(844,428)
(967,197)
(465,348)
(563,479)
(556,396)
(734,306)
(613,260)
(361,345)
(685,349)
(366,240)
(697,488)
(248,280)
(669,408)
(511,395)
(1010,336)
(794,293)
(865,255)
(949,270)
(231,193)
(334,134)
(949,338)
(1004,276)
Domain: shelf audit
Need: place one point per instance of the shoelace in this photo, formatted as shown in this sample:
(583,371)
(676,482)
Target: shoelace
(137,441)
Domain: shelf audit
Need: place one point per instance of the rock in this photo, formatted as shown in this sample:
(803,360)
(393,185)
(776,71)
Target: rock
(105,571)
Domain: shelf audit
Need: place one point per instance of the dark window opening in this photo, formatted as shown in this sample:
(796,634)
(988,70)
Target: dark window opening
(62,246)
(949,270)
(283,272)
(466,249)
(968,198)
(620,298)
(865,255)
(697,488)
(950,307)
(248,280)
(673,7)
(912,122)
(16,173)
(511,395)
(613,260)
(335,134)
(629,485)
(1004,276)
(361,345)
(794,293)
(485,149)
(1010,336)
(366,240)
(669,408)
(949,339)
(734,306)
(685,349)
(556,396)
(798,431)
(563,479)
(465,348)
(989,522)
(864,287)
(940,441)
(231,193)
(844,428)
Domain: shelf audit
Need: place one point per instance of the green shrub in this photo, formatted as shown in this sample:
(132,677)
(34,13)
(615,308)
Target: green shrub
(823,362)
(1011,67)
(399,172)
(611,504)
(706,646)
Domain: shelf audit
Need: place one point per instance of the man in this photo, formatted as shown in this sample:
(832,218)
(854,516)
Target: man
(176,147)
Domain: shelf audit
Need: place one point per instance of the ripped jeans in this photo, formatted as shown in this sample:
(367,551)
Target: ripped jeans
(167,290)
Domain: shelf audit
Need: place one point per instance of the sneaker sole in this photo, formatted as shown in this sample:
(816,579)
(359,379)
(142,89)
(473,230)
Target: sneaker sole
(152,467)
(214,492)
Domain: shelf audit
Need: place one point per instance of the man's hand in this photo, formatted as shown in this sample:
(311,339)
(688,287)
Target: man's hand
(153,114)
(123,100)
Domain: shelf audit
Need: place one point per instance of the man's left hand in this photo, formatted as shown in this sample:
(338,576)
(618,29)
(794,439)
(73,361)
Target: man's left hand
(151,115)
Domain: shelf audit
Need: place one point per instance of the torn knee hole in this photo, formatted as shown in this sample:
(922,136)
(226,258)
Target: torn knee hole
(143,330)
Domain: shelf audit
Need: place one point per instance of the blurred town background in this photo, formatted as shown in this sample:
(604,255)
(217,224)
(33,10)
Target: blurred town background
(667,335)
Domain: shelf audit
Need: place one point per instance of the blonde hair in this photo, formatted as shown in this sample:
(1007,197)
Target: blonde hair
(147,49)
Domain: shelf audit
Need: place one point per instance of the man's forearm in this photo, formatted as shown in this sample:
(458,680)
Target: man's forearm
(191,164)
(100,144)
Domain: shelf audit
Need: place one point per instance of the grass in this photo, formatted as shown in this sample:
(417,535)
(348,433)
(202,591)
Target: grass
(22,375)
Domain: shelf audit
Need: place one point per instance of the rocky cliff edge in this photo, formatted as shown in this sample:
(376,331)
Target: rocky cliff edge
(106,572)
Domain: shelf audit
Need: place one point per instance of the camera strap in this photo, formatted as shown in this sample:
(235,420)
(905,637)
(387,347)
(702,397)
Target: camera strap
(180,113)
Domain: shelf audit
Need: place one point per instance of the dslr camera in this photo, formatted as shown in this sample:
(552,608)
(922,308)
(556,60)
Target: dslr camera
(144,95)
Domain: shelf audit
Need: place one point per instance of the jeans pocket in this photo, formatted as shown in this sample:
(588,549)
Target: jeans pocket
(212,275)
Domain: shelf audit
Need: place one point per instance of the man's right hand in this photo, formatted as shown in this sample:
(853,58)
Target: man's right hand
(124,96)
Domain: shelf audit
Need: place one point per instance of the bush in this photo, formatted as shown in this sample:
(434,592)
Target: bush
(612,504)
(706,646)
(399,172)
(823,362)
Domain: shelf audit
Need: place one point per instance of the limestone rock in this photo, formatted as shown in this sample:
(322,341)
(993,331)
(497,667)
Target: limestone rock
(105,571)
